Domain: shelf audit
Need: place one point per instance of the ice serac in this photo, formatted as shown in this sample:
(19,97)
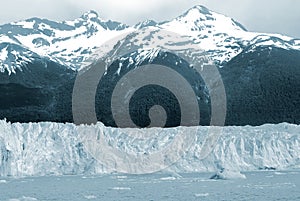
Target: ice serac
(52,148)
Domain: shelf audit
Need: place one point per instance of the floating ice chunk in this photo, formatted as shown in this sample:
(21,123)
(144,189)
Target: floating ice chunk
(121,188)
(228,174)
(201,194)
(90,197)
(168,178)
(24,198)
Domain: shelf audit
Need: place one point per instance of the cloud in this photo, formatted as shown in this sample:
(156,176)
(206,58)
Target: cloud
(15,10)
(133,11)
(129,11)
(281,16)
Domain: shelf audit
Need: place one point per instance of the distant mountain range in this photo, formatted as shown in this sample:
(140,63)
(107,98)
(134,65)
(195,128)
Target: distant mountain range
(39,60)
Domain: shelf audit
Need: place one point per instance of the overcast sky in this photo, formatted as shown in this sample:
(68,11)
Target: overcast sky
(276,16)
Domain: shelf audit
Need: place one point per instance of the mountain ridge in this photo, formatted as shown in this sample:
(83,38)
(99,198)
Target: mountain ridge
(70,43)
(43,58)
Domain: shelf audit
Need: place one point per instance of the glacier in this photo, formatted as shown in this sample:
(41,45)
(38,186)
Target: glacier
(46,148)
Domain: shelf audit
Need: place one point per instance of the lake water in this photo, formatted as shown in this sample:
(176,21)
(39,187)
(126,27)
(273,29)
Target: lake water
(263,185)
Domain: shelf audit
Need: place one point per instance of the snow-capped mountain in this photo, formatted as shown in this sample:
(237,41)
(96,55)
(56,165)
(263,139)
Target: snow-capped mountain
(70,43)
(39,62)
(222,36)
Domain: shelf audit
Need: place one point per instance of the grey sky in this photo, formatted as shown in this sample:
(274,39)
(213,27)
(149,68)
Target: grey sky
(277,16)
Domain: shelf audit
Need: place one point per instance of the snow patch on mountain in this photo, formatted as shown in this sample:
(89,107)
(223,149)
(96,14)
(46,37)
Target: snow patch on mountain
(146,23)
(14,57)
(3,54)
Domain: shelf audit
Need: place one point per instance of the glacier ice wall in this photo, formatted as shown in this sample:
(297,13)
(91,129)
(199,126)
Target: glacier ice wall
(55,148)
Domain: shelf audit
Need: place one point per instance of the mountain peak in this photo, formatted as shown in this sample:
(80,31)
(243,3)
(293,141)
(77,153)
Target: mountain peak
(145,23)
(196,11)
(200,8)
(90,15)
